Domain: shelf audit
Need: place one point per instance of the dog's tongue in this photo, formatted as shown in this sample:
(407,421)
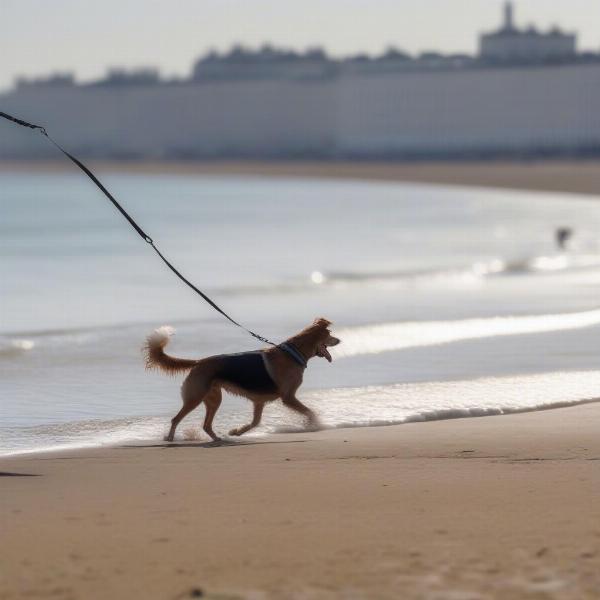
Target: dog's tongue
(324,353)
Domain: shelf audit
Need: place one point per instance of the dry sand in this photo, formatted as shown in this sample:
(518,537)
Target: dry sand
(582,177)
(497,507)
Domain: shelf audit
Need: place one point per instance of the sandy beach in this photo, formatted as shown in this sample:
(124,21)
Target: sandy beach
(578,177)
(500,507)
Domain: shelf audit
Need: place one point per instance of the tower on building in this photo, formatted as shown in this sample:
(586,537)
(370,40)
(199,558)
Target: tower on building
(509,44)
(508,16)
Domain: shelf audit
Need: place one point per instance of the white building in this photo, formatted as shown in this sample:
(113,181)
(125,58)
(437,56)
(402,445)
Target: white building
(543,100)
(217,119)
(516,110)
(511,44)
(534,109)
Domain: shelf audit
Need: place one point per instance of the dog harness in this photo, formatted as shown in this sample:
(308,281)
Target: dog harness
(247,370)
(294,353)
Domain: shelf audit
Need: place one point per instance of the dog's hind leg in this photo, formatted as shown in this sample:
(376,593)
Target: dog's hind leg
(258,410)
(187,408)
(212,401)
(192,393)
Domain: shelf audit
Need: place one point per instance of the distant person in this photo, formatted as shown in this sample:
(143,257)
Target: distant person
(562,236)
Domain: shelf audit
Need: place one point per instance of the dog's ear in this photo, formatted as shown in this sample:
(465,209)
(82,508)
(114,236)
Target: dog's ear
(321,322)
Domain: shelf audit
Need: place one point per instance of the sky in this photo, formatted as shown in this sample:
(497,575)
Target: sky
(88,36)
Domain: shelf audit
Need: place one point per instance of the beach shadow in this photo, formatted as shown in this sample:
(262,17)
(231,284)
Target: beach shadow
(205,445)
(7,474)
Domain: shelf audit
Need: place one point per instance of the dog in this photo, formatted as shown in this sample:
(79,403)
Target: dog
(261,376)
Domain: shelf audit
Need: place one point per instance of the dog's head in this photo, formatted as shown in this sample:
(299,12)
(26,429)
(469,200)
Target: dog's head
(315,339)
(323,338)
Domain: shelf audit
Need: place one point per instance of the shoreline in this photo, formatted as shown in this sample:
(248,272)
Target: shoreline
(264,437)
(568,176)
(470,508)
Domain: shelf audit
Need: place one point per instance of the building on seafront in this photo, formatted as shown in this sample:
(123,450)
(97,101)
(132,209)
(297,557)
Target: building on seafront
(510,44)
(525,94)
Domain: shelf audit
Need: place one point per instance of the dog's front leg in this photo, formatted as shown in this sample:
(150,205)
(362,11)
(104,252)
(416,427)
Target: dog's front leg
(258,410)
(297,406)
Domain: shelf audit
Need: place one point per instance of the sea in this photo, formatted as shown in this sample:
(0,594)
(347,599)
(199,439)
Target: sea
(450,302)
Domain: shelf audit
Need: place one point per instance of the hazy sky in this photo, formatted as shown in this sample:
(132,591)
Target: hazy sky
(87,36)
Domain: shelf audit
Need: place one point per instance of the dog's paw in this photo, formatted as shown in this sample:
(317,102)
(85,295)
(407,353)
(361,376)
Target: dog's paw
(167,438)
(313,425)
(234,432)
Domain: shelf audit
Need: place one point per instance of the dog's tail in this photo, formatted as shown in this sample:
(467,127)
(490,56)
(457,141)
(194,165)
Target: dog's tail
(154,353)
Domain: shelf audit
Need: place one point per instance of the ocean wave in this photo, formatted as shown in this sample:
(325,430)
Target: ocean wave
(369,406)
(540,264)
(356,340)
(79,434)
(387,337)
(470,273)
(10,347)
(396,404)
(474,272)
(553,263)
(16,345)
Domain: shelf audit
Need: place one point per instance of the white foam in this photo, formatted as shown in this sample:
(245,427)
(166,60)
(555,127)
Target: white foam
(476,272)
(413,402)
(374,339)
(23,344)
(83,434)
(560,262)
(15,346)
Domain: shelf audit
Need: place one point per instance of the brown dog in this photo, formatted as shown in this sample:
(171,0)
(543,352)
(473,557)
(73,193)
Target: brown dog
(261,376)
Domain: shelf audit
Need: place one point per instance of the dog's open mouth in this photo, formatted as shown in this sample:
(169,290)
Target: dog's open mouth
(323,352)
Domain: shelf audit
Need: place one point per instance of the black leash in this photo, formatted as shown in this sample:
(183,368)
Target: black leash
(139,230)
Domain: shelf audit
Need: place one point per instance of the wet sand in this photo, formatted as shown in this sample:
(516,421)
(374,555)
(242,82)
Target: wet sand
(581,177)
(495,507)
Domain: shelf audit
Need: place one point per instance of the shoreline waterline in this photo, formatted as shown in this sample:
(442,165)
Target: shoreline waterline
(545,175)
(549,391)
